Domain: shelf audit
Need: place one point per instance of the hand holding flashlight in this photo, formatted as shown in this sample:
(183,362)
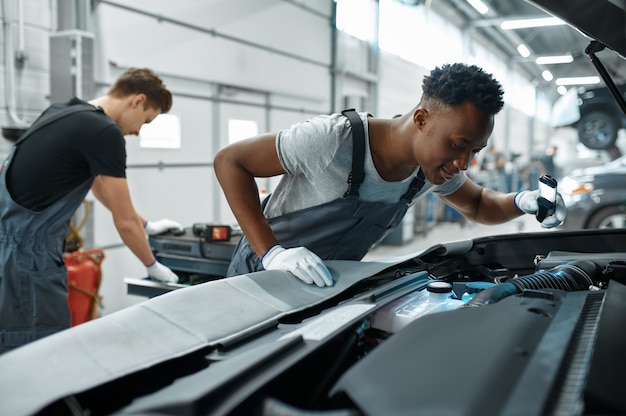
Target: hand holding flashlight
(545,203)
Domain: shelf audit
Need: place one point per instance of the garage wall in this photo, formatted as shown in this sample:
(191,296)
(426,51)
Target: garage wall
(269,61)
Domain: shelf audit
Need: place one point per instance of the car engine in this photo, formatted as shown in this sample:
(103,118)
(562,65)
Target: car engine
(526,324)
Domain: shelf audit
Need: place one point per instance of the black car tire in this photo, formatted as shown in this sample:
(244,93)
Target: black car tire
(597,130)
(608,217)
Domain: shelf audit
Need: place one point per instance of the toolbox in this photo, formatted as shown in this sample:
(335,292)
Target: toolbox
(194,254)
(191,254)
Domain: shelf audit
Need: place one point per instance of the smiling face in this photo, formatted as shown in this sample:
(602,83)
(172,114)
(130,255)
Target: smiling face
(449,137)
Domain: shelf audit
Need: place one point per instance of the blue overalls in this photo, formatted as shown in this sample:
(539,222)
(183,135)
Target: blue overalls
(342,229)
(33,276)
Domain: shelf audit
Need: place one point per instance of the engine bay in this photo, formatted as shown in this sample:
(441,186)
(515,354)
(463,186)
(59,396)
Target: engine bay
(537,336)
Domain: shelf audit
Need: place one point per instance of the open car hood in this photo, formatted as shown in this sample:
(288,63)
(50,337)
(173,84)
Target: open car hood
(266,343)
(601,20)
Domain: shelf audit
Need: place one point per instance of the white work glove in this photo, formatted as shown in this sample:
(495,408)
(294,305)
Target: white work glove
(304,264)
(161,273)
(161,226)
(526,201)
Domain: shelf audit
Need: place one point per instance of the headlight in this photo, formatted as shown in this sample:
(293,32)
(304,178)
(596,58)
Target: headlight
(574,190)
(572,186)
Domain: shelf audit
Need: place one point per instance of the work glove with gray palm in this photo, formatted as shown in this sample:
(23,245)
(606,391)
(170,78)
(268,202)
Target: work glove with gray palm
(161,273)
(526,201)
(162,226)
(300,261)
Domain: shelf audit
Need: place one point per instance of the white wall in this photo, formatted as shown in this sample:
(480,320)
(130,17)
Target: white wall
(268,61)
(400,86)
(196,66)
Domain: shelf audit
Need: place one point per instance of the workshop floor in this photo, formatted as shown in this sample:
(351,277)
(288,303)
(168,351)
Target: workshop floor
(453,231)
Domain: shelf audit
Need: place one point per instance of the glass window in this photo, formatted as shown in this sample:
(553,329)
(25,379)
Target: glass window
(410,32)
(162,133)
(423,37)
(241,129)
(358,18)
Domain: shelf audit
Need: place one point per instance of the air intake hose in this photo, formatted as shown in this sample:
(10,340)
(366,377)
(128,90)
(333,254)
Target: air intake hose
(570,277)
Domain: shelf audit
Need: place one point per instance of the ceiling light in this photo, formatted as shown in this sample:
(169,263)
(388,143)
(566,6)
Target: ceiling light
(555,59)
(526,23)
(479,6)
(578,80)
(561,90)
(547,75)
(523,50)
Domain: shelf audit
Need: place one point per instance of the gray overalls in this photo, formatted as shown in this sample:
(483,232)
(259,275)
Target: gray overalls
(342,229)
(33,277)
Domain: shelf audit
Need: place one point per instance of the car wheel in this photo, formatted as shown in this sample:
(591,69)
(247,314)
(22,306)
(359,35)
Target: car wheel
(597,130)
(609,217)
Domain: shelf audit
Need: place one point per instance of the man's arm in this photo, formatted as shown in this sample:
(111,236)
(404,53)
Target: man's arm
(236,166)
(483,205)
(113,193)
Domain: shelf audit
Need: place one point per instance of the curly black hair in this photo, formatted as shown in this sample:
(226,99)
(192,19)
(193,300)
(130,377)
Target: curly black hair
(453,84)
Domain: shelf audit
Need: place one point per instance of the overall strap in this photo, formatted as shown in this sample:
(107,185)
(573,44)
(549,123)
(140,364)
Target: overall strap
(358,152)
(414,187)
(42,121)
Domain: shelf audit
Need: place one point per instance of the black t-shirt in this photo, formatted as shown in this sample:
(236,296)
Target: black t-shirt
(61,156)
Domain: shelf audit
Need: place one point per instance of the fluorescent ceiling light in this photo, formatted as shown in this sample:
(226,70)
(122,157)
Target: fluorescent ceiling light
(578,80)
(526,23)
(555,59)
(523,50)
(479,6)
(561,90)
(547,75)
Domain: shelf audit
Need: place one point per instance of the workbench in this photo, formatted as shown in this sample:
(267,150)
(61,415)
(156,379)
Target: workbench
(193,258)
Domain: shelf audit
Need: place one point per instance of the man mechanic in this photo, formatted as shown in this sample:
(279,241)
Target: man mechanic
(71,148)
(347,181)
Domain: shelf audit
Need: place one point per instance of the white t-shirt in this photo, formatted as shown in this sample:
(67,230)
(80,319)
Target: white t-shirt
(317,156)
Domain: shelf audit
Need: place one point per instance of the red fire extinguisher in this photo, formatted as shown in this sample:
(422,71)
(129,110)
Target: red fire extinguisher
(83,282)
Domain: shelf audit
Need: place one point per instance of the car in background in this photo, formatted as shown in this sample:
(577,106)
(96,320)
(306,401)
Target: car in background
(594,112)
(596,196)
